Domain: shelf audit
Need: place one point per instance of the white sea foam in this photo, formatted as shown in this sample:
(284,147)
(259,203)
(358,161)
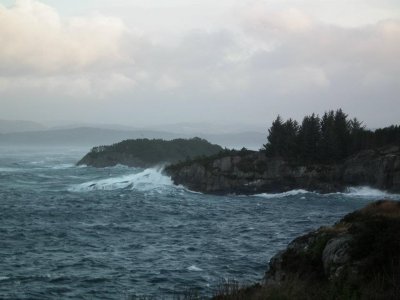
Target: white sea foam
(368,192)
(62,166)
(356,192)
(146,180)
(282,195)
(9,170)
(194,269)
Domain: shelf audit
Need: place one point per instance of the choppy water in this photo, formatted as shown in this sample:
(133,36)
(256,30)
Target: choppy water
(71,232)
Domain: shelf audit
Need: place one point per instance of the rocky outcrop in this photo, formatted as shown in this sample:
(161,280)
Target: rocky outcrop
(379,168)
(249,172)
(357,258)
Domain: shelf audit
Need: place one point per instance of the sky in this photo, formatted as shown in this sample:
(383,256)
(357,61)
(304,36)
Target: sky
(150,62)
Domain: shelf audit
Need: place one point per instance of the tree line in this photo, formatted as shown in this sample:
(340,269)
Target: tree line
(325,139)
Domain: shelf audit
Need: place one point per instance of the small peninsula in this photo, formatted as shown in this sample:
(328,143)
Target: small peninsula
(357,258)
(145,153)
(251,172)
(323,154)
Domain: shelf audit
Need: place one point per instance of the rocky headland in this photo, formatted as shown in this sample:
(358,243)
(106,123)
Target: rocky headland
(357,258)
(253,172)
(145,153)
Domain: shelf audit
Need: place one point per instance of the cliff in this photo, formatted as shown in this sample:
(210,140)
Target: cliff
(148,153)
(357,258)
(250,172)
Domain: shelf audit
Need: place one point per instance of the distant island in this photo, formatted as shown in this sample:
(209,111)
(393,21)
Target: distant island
(325,154)
(146,153)
(357,258)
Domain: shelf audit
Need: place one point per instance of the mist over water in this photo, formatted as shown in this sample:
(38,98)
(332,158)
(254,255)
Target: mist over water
(70,232)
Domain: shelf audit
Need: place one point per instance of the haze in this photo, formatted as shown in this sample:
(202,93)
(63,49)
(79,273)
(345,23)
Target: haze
(146,63)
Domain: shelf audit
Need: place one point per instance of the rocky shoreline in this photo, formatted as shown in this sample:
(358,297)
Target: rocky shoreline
(357,258)
(251,172)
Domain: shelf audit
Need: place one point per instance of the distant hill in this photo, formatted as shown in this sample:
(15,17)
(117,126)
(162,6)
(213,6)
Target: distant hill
(82,136)
(8,126)
(91,136)
(250,139)
(148,153)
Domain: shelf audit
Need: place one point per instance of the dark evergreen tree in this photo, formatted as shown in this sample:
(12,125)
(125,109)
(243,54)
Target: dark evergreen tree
(387,136)
(275,138)
(309,138)
(290,147)
(342,131)
(282,138)
(329,139)
(358,139)
(328,142)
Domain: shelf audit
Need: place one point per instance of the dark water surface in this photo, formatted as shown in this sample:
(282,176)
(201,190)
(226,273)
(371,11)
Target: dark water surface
(71,232)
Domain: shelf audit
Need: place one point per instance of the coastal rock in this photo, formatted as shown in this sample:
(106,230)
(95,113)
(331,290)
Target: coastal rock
(357,258)
(379,168)
(251,172)
(357,251)
(335,255)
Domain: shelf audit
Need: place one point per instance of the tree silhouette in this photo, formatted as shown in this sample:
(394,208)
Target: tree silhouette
(328,139)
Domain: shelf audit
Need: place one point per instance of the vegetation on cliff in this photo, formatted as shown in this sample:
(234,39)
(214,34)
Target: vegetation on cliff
(147,153)
(327,139)
(357,258)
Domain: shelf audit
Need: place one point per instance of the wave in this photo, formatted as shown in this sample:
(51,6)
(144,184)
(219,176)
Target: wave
(9,170)
(146,180)
(356,192)
(62,166)
(284,194)
(194,268)
(368,192)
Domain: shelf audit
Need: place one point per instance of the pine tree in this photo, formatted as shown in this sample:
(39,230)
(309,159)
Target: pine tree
(275,137)
(327,147)
(329,139)
(282,138)
(290,146)
(342,131)
(358,140)
(309,138)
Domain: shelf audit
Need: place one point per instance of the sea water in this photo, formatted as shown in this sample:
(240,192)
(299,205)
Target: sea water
(69,232)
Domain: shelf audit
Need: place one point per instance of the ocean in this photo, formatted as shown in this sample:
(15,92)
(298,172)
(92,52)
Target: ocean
(69,232)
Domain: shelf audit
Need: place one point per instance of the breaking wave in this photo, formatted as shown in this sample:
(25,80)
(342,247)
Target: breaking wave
(282,195)
(359,192)
(368,192)
(194,268)
(146,180)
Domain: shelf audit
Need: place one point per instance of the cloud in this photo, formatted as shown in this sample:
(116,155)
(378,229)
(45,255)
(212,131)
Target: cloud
(333,50)
(292,20)
(270,60)
(34,38)
(76,56)
(77,86)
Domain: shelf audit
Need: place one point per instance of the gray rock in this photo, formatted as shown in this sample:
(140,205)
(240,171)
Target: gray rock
(336,255)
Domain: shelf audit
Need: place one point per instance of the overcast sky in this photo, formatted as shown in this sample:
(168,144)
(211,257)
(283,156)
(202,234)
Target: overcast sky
(146,62)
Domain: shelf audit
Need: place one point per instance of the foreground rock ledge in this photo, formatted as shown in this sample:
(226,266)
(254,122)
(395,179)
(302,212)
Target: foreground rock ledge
(357,258)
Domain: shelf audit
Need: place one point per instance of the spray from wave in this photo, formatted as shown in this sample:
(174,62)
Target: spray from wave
(146,180)
(368,192)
